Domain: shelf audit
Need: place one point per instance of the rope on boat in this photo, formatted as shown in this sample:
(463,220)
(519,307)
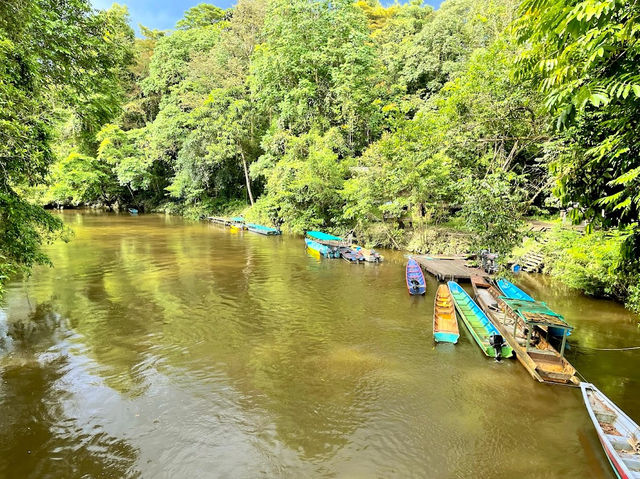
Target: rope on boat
(630,348)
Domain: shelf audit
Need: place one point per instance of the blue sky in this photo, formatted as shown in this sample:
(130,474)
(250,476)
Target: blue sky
(163,14)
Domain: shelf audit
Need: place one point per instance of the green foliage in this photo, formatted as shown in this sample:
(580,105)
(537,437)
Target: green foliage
(81,179)
(584,55)
(305,177)
(492,213)
(201,15)
(53,56)
(593,263)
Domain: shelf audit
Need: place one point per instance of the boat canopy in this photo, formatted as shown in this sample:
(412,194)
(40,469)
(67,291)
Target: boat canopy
(537,313)
(261,227)
(238,219)
(319,235)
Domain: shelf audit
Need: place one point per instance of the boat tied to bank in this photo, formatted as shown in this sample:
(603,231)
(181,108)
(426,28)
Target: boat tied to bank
(262,230)
(511,291)
(445,324)
(485,334)
(617,432)
(414,276)
(522,324)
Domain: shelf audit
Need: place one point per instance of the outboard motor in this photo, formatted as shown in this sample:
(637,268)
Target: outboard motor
(497,342)
(415,286)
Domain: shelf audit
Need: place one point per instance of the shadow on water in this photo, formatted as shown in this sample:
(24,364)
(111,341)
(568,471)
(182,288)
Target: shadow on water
(37,437)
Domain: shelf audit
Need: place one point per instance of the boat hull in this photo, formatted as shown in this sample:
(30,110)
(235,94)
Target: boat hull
(445,324)
(478,324)
(324,250)
(602,411)
(416,284)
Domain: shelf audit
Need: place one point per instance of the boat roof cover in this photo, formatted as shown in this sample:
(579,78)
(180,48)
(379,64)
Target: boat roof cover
(536,312)
(323,236)
(239,219)
(261,227)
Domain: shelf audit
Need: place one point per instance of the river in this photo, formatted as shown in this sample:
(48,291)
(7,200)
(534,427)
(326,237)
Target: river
(158,347)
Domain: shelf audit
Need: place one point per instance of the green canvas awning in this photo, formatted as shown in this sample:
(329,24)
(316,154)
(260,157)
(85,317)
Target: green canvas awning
(536,312)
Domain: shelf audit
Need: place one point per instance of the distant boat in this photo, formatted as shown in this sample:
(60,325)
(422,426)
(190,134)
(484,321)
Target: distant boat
(351,255)
(369,255)
(618,434)
(511,291)
(416,283)
(445,324)
(237,223)
(483,331)
(262,230)
(324,250)
(133,211)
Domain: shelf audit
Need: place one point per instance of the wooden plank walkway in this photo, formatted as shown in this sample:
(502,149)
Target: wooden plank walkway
(448,268)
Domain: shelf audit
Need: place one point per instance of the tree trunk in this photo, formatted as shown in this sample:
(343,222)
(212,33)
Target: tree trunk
(246,176)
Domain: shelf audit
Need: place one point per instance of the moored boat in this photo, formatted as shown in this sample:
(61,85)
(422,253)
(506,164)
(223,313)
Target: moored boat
(351,255)
(237,223)
(618,433)
(324,250)
(262,230)
(445,324)
(369,255)
(522,324)
(511,291)
(416,283)
(485,334)
(133,211)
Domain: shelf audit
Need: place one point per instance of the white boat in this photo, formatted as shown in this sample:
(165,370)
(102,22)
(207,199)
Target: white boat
(618,434)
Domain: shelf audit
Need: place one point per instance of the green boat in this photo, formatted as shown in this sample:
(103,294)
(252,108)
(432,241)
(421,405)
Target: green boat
(483,331)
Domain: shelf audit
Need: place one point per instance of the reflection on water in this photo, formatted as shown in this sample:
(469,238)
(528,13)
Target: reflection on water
(159,348)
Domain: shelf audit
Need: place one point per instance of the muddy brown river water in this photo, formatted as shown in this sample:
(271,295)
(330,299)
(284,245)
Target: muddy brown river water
(158,347)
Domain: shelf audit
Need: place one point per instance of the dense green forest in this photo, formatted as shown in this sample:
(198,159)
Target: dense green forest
(408,126)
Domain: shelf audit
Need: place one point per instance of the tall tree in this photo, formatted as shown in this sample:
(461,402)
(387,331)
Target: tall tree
(49,50)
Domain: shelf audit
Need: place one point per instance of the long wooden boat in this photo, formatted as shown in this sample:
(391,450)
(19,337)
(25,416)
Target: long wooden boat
(263,230)
(483,331)
(618,434)
(370,255)
(445,324)
(324,250)
(414,276)
(351,255)
(511,291)
(521,323)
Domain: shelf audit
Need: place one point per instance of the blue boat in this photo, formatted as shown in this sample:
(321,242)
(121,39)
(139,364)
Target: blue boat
(133,211)
(416,283)
(262,230)
(320,236)
(324,250)
(485,334)
(511,291)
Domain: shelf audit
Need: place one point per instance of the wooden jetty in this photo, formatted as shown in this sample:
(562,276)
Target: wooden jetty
(448,268)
